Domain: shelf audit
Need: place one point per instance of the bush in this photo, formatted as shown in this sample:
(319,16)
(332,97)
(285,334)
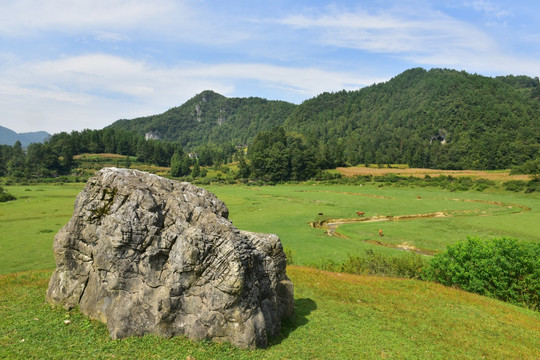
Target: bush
(4,196)
(289,253)
(408,265)
(514,185)
(533,184)
(505,269)
(528,167)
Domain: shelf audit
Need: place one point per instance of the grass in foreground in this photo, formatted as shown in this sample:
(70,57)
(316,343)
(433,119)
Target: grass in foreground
(338,316)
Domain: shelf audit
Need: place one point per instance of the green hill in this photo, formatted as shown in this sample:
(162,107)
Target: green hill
(212,118)
(438,118)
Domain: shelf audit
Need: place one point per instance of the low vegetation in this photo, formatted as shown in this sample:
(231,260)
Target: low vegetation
(505,269)
(408,265)
(5,196)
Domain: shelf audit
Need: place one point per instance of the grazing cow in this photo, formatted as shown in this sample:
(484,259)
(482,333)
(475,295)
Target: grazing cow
(321,214)
(380,233)
(418,196)
(360,213)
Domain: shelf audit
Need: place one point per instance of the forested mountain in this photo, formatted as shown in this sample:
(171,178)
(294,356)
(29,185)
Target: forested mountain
(438,118)
(211,118)
(9,137)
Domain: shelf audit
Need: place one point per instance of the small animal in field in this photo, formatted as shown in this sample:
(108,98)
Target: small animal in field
(381,233)
(418,197)
(360,213)
(321,214)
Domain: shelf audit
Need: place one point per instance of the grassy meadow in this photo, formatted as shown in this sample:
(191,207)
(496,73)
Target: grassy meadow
(337,315)
(287,211)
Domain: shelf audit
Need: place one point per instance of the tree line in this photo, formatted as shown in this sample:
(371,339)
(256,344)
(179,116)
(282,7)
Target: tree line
(55,156)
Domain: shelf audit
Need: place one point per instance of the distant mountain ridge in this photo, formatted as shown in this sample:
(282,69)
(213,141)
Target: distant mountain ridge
(439,118)
(10,137)
(210,117)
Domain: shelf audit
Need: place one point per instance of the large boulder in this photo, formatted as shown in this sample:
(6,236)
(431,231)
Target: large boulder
(149,255)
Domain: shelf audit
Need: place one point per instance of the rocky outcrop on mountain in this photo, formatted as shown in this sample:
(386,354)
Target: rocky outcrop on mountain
(149,255)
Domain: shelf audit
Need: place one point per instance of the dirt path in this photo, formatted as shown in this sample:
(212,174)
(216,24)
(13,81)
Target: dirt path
(331,225)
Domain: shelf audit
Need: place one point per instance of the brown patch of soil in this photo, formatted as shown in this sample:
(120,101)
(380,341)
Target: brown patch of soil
(421,173)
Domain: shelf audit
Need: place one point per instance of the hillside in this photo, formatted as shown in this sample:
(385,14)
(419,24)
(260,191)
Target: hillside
(338,316)
(9,137)
(212,118)
(438,118)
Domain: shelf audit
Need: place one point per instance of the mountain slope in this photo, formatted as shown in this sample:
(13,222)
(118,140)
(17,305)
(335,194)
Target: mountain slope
(437,118)
(9,137)
(211,117)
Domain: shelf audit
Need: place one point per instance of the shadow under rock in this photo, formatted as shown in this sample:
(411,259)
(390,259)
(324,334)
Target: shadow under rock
(302,309)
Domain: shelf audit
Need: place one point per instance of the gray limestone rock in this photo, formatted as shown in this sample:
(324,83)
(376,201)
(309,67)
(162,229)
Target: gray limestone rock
(149,255)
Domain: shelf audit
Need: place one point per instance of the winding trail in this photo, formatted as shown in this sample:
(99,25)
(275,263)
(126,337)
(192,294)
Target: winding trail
(331,225)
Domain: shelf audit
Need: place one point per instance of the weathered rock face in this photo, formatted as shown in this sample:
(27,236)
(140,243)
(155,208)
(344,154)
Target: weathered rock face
(148,255)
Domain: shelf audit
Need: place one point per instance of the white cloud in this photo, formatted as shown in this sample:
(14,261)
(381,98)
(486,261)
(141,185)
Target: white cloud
(425,37)
(25,16)
(489,8)
(393,32)
(191,21)
(91,91)
(107,36)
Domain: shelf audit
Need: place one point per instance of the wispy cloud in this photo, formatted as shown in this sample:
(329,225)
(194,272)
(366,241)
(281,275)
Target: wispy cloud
(85,63)
(489,8)
(393,31)
(426,37)
(28,16)
(116,87)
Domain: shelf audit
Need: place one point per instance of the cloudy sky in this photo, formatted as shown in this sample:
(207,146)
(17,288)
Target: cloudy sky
(75,64)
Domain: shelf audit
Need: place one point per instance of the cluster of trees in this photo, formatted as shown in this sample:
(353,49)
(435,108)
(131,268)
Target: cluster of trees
(276,155)
(434,119)
(431,119)
(55,156)
(212,118)
(439,118)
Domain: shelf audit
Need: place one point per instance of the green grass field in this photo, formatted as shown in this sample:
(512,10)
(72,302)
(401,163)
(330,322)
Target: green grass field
(287,211)
(28,225)
(337,315)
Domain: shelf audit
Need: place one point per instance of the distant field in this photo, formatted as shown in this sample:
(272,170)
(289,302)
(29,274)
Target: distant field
(287,211)
(28,225)
(403,171)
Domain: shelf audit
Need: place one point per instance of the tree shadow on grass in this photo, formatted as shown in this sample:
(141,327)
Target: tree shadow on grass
(302,308)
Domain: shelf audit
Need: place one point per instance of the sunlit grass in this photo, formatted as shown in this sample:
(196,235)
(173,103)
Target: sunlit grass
(338,316)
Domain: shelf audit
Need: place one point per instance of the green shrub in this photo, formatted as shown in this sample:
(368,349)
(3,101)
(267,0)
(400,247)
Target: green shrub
(533,184)
(505,269)
(514,185)
(408,265)
(5,196)
(528,167)
(289,253)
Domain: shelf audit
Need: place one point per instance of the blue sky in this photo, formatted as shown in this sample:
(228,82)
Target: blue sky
(75,64)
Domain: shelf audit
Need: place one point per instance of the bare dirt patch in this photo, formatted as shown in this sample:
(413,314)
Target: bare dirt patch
(421,173)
